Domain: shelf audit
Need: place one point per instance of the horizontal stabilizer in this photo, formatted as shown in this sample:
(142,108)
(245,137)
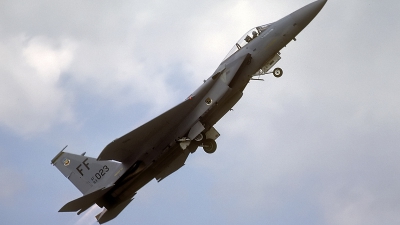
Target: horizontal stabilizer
(85,201)
(173,166)
(107,215)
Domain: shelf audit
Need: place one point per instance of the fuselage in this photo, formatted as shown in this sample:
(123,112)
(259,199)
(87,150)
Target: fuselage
(224,88)
(261,49)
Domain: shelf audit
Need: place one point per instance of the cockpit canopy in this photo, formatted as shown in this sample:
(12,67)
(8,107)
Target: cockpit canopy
(247,38)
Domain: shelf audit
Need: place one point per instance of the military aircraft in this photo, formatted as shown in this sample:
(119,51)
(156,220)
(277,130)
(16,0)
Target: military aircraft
(161,146)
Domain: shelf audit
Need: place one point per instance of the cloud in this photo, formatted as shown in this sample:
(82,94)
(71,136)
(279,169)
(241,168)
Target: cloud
(46,60)
(82,52)
(31,100)
(320,140)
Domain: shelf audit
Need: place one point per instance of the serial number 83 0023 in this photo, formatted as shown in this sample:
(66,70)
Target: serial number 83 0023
(102,172)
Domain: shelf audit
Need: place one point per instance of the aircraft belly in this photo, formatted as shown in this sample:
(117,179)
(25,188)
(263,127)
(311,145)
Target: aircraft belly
(161,146)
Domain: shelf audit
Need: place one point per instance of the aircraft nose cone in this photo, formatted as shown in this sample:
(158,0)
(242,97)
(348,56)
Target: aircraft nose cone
(304,15)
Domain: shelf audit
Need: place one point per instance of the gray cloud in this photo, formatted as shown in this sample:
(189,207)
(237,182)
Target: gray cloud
(317,146)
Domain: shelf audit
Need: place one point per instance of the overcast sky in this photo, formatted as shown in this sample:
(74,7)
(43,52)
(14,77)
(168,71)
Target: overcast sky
(318,146)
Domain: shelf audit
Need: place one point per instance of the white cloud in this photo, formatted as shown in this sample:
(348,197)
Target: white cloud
(31,99)
(112,72)
(48,61)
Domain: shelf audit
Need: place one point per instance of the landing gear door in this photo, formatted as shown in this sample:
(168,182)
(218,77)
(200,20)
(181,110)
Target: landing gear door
(267,66)
(212,133)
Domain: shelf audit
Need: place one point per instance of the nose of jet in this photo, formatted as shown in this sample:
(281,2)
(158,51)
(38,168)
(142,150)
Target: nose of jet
(304,15)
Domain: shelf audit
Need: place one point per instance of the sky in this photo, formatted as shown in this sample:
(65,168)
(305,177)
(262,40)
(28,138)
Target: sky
(318,146)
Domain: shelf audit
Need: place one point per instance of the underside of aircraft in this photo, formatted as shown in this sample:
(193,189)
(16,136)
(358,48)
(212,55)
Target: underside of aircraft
(161,146)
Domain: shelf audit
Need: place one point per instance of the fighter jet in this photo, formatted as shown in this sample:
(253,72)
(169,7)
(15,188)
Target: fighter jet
(161,146)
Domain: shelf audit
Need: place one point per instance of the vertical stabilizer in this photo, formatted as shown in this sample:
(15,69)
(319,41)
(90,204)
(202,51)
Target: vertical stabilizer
(86,173)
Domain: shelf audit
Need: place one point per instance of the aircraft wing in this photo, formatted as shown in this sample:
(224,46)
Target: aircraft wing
(159,131)
(164,129)
(166,169)
(123,147)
